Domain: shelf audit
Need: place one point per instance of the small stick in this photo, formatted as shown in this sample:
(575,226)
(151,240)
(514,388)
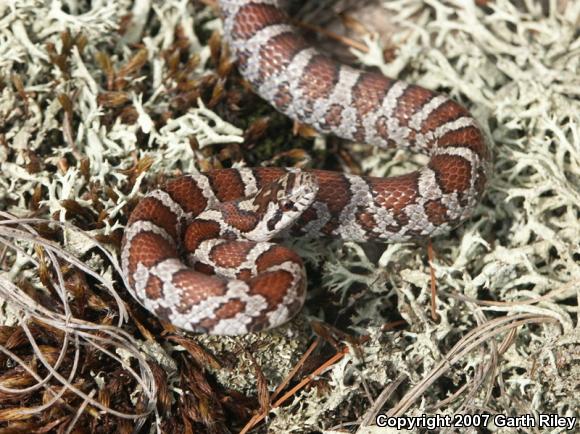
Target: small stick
(342,39)
(431,255)
(298,365)
(258,417)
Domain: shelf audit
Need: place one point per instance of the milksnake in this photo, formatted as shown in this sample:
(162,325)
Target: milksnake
(197,252)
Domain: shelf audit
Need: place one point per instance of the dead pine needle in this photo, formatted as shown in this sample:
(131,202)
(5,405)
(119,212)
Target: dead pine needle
(303,383)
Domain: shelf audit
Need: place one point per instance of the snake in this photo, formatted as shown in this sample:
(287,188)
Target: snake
(202,251)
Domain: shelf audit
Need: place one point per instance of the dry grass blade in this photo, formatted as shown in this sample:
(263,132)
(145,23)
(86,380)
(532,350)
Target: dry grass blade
(381,399)
(75,336)
(472,340)
(562,291)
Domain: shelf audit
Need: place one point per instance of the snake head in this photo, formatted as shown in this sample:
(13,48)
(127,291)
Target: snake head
(280,203)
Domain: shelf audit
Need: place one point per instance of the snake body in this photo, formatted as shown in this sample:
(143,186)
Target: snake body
(197,252)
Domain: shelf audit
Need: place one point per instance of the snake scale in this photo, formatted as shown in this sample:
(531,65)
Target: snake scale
(197,251)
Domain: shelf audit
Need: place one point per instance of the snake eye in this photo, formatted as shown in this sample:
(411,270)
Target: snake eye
(287,205)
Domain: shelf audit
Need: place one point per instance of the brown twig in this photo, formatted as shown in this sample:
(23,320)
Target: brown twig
(431,255)
(342,39)
(393,324)
(258,417)
(295,369)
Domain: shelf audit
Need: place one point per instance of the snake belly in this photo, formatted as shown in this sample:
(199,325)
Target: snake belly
(197,252)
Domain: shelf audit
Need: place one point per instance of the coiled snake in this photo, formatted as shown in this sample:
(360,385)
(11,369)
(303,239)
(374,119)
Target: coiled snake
(231,279)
